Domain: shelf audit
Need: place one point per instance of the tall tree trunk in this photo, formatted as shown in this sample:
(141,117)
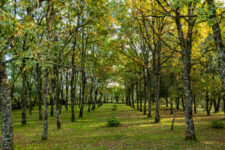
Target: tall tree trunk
(140,96)
(207,104)
(171,106)
(178,103)
(137,95)
(95,100)
(24,93)
(29,87)
(167,102)
(145,94)
(91,96)
(132,94)
(149,94)
(67,90)
(195,105)
(45,123)
(186,48)
(157,85)
(83,94)
(218,40)
(6,108)
(183,104)
(39,90)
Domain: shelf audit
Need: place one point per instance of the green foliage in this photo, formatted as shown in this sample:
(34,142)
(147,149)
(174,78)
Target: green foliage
(218,124)
(113,121)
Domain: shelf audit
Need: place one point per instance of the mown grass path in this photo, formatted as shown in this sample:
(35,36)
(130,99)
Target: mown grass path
(137,131)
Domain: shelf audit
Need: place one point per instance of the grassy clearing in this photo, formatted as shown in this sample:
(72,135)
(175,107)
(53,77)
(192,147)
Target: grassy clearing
(137,131)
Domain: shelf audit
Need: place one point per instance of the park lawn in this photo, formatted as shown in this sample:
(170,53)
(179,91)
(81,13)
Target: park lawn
(137,131)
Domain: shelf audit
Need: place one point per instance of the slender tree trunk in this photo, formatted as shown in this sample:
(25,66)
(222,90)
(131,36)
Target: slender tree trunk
(24,94)
(132,94)
(137,96)
(29,87)
(149,94)
(195,105)
(57,96)
(95,100)
(207,103)
(6,108)
(217,108)
(167,102)
(174,117)
(171,106)
(178,103)
(141,96)
(91,96)
(39,90)
(157,91)
(145,94)
(67,90)
(183,105)
(45,126)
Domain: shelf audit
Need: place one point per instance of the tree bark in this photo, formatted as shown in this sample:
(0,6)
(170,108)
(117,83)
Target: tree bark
(6,108)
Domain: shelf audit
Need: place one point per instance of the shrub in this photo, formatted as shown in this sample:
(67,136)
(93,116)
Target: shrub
(113,121)
(218,124)
(114,108)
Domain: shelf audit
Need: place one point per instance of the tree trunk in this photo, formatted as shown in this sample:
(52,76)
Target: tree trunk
(83,94)
(145,94)
(195,105)
(167,102)
(45,123)
(24,94)
(67,90)
(217,108)
(57,97)
(207,103)
(137,96)
(140,96)
(183,105)
(149,93)
(186,48)
(91,96)
(174,117)
(95,100)
(29,87)
(178,103)
(218,40)
(6,108)
(39,90)
(171,106)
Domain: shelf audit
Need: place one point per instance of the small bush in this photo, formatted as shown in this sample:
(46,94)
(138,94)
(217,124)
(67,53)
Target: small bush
(113,121)
(114,108)
(218,124)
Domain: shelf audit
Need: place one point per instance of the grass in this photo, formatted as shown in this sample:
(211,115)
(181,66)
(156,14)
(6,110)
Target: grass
(137,131)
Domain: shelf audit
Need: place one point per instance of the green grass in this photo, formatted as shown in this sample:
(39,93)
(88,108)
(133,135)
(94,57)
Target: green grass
(137,131)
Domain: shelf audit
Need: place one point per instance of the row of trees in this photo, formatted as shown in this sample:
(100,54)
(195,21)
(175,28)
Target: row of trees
(86,52)
(53,53)
(178,52)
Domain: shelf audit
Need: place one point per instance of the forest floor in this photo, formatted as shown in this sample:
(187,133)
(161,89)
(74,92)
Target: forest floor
(137,131)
